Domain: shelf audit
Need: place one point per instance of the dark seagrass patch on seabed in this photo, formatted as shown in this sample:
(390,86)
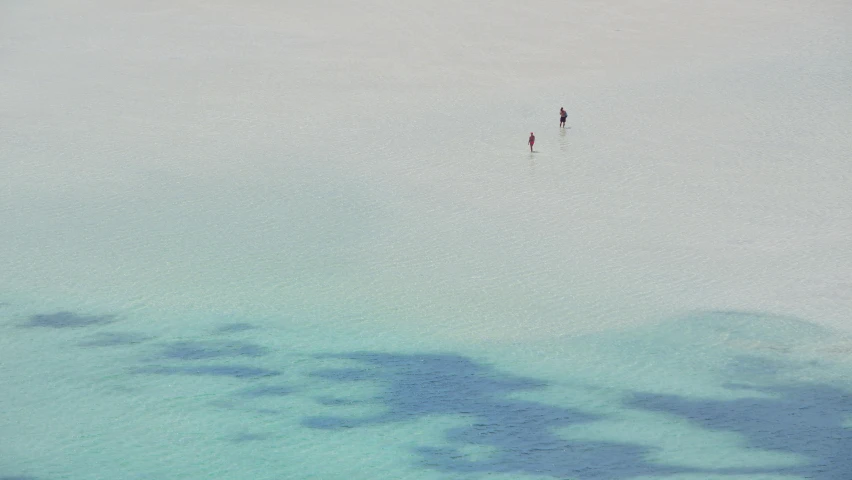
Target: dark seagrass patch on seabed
(234,371)
(115,339)
(521,435)
(266,391)
(205,350)
(67,320)
(807,420)
(235,328)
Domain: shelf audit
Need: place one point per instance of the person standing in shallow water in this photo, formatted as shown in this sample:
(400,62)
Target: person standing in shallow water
(531,141)
(562,116)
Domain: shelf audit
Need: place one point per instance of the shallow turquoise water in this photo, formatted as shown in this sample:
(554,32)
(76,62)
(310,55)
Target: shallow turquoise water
(218,266)
(711,395)
(291,319)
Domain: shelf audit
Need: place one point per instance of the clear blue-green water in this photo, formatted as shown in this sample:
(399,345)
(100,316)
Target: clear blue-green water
(144,395)
(293,241)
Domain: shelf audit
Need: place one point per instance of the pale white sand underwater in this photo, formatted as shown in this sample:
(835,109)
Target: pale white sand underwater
(348,183)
